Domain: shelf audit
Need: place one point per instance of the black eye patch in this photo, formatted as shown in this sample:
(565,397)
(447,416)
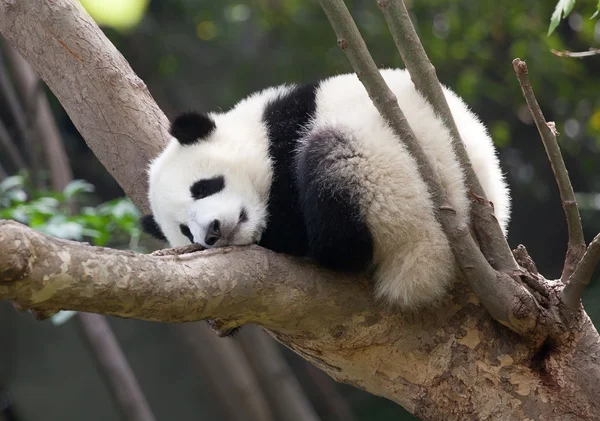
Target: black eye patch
(207,187)
(185,230)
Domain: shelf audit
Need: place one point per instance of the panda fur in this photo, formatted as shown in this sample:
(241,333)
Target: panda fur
(314,170)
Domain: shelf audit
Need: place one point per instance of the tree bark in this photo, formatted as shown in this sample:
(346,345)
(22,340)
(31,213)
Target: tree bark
(452,362)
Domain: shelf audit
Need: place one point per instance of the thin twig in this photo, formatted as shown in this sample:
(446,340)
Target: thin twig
(581,276)
(548,133)
(113,365)
(577,54)
(422,72)
(507,301)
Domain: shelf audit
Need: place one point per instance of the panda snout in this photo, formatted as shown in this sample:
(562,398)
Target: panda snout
(213,233)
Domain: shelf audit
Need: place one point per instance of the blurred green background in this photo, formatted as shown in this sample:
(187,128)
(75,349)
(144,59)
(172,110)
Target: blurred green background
(209,54)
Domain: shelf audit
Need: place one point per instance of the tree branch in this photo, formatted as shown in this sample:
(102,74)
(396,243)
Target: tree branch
(20,119)
(582,275)
(114,367)
(29,84)
(122,125)
(224,365)
(576,246)
(498,292)
(3,173)
(49,274)
(281,387)
(493,243)
(10,148)
(576,54)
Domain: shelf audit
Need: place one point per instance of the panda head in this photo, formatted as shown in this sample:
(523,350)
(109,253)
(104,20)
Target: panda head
(210,185)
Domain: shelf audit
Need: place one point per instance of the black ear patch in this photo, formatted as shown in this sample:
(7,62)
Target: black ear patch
(207,187)
(150,226)
(191,127)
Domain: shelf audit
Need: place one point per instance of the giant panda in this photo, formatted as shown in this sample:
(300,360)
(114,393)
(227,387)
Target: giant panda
(313,170)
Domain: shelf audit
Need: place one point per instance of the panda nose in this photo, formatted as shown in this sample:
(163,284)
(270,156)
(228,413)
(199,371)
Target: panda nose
(213,233)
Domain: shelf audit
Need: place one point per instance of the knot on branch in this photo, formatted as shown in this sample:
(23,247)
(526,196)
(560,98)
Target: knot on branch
(15,258)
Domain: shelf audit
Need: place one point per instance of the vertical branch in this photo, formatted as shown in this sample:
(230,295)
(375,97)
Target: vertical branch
(576,246)
(20,119)
(422,72)
(225,367)
(278,380)
(113,365)
(46,130)
(11,149)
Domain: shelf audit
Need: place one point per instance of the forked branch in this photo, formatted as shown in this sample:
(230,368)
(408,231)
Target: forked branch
(506,300)
(582,275)
(576,246)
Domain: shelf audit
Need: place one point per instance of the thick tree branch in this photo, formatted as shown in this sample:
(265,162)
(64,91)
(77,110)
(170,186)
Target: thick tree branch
(506,300)
(48,274)
(493,244)
(121,124)
(576,246)
(328,319)
(582,275)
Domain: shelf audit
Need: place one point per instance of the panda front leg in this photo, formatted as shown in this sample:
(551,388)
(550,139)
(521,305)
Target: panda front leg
(329,195)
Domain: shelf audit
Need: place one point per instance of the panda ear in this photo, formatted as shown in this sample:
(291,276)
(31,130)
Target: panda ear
(191,127)
(150,226)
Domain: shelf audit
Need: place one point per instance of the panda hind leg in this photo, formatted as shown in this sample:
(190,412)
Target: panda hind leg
(329,191)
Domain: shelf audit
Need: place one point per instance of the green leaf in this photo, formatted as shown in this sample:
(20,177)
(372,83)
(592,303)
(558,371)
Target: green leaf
(76,187)
(561,11)
(597,10)
(58,226)
(11,182)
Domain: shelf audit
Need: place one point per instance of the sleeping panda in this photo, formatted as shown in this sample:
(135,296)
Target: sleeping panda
(313,170)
